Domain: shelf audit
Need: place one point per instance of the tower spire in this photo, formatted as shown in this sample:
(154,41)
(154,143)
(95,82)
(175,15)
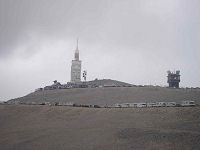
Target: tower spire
(77,44)
(76,56)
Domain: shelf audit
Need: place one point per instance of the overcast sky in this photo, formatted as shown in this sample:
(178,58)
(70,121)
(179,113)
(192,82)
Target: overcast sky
(134,41)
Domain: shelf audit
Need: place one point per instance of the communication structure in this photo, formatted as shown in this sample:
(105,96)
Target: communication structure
(76,67)
(84,75)
(173,78)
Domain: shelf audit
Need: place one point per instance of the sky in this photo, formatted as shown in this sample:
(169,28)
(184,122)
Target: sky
(135,41)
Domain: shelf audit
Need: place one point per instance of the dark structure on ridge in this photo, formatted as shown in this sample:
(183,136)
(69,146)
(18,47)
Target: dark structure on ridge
(173,79)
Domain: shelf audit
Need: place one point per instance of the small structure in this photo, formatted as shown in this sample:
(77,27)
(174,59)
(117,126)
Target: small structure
(65,104)
(160,104)
(170,104)
(38,89)
(141,105)
(188,103)
(109,85)
(151,104)
(124,105)
(55,85)
(173,79)
(2,102)
(84,75)
(117,106)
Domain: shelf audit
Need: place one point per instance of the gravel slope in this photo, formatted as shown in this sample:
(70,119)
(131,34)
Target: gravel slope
(27,127)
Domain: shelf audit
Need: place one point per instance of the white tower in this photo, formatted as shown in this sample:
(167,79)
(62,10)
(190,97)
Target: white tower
(76,67)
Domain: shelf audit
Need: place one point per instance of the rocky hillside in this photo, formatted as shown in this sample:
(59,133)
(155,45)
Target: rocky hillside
(108,82)
(112,95)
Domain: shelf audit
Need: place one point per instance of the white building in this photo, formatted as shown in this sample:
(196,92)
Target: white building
(76,67)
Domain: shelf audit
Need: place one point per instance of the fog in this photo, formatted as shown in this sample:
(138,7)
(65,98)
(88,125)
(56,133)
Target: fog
(134,41)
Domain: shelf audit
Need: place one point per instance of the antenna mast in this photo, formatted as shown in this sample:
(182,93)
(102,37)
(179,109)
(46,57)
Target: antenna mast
(77,44)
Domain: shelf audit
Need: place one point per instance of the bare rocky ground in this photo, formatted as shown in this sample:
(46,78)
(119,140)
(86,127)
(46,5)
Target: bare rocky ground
(108,96)
(29,127)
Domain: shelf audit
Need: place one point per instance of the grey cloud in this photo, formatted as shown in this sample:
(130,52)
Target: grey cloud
(142,39)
